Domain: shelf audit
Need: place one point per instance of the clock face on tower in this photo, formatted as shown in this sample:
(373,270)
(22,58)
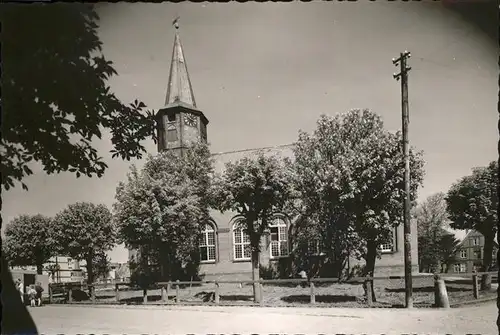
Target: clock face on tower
(190,120)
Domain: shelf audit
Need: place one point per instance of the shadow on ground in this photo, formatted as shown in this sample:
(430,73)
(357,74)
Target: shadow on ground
(330,299)
(428,289)
(139,300)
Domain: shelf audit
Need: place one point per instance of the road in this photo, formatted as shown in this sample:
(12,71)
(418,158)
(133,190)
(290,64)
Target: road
(246,320)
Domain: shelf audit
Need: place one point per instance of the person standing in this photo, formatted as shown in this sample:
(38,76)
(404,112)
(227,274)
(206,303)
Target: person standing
(20,288)
(32,295)
(39,290)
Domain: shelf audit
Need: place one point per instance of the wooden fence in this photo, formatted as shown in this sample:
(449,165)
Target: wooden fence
(441,299)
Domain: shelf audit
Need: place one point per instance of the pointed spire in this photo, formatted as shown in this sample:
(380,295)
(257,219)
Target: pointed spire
(179,85)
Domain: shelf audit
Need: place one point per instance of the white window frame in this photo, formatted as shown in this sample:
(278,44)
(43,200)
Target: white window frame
(315,248)
(463,253)
(205,243)
(282,242)
(70,264)
(463,268)
(386,248)
(475,241)
(245,244)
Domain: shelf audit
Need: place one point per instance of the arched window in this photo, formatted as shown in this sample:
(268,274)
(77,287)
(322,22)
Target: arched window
(279,238)
(241,241)
(207,244)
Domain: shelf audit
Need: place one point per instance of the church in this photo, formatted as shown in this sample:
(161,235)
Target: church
(224,249)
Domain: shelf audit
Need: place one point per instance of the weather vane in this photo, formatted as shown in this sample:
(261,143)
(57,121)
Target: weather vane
(175,23)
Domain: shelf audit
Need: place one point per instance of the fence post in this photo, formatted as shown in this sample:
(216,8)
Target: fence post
(475,285)
(217,294)
(177,291)
(117,292)
(313,294)
(92,293)
(162,290)
(145,295)
(440,293)
(168,290)
(369,292)
(261,290)
(70,294)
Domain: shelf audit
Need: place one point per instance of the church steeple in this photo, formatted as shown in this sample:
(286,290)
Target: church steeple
(179,84)
(180,122)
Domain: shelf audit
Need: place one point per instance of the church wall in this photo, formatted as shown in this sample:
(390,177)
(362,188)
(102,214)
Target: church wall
(389,263)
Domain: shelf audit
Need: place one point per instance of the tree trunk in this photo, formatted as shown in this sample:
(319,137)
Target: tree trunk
(371,256)
(487,259)
(39,268)
(255,276)
(90,272)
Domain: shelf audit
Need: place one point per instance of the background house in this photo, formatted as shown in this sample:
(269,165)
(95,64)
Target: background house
(63,269)
(470,253)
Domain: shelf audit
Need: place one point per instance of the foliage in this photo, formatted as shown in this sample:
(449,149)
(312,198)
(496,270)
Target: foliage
(161,210)
(349,173)
(62,100)
(431,218)
(84,231)
(102,265)
(29,240)
(123,271)
(472,203)
(448,248)
(256,189)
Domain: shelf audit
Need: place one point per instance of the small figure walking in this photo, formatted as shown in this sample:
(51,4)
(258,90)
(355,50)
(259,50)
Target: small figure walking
(39,290)
(32,295)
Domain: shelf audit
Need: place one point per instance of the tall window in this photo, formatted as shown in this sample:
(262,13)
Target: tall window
(459,267)
(242,249)
(207,244)
(475,241)
(315,248)
(463,253)
(279,238)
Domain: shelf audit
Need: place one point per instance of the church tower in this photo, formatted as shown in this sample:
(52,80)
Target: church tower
(180,122)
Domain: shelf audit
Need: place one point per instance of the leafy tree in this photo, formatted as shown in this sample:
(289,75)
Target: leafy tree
(102,265)
(84,231)
(62,99)
(431,217)
(350,173)
(29,241)
(448,248)
(473,203)
(161,210)
(308,247)
(256,189)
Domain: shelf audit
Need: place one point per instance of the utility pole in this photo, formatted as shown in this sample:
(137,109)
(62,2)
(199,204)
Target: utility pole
(403,76)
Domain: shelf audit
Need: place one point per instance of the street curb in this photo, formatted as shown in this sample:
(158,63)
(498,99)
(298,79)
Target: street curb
(473,302)
(254,305)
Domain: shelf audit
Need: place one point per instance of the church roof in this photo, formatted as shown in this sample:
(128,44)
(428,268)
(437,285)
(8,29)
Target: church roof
(221,158)
(179,88)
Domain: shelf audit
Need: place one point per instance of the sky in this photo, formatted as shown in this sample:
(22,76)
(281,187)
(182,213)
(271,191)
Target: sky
(261,72)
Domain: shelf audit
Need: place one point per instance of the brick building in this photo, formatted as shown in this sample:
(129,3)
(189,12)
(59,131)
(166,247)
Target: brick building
(224,249)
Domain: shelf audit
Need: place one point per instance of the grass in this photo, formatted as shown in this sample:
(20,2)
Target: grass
(389,294)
